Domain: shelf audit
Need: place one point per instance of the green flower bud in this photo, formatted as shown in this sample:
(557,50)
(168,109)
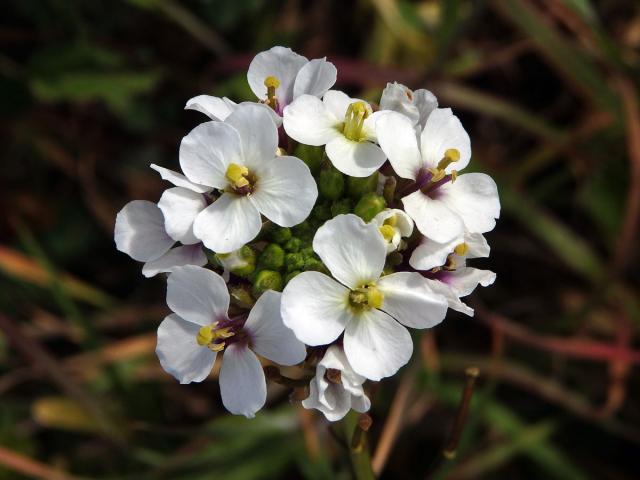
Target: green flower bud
(281,235)
(241,262)
(389,189)
(293,245)
(272,257)
(369,206)
(307,252)
(313,264)
(321,212)
(290,275)
(304,231)
(340,207)
(267,280)
(312,156)
(331,184)
(294,261)
(359,186)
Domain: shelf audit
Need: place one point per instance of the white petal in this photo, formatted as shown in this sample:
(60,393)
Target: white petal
(179,180)
(465,280)
(176,257)
(140,233)
(337,103)
(443,131)
(473,196)
(285,191)
(399,98)
(315,307)
(397,139)
(279,62)
(215,108)
(376,345)
(315,78)
(430,254)
(434,218)
(357,159)
(198,295)
(207,151)
(180,208)
(242,384)
(409,299)
(179,352)
(353,251)
(270,338)
(228,223)
(452,298)
(478,246)
(258,134)
(426,102)
(308,121)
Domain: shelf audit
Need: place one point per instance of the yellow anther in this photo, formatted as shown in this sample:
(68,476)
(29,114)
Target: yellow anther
(366,297)
(461,249)
(223,333)
(236,174)
(437,174)
(280,152)
(354,119)
(454,175)
(387,232)
(205,336)
(451,155)
(216,347)
(271,82)
(374,297)
(392,221)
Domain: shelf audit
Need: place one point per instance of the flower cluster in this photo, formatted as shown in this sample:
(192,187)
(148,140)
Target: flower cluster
(311,229)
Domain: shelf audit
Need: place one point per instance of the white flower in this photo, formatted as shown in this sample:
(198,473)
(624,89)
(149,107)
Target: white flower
(369,308)
(140,233)
(416,105)
(443,204)
(276,76)
(345,125)
(189,338)
(238,157)
(279,75)
(393,224)
(336,388)
(449,273)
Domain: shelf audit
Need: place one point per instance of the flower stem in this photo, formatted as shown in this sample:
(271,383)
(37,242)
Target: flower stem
(355,428)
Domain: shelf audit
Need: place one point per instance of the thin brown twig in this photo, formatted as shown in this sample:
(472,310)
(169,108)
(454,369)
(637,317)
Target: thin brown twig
(394,423)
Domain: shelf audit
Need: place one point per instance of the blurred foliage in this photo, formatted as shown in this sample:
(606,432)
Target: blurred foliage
(92,92)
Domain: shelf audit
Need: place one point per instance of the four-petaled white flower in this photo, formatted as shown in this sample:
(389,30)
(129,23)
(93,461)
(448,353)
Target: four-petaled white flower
(415,105)
(443,204)
(189,338)
(345,125)
(140,233)
(238,157)
(447,267)
(336,388)
(369,308)
(393,224)
(276,76)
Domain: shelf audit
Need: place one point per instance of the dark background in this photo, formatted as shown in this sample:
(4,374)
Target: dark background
(92,92)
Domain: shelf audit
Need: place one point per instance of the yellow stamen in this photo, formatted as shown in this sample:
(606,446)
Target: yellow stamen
(451,155)
(387,232)
(461,249)
(216,347)
(354,121)
(205,335)
(366,297)
(392,221)
(272,83)
(237,175)
(454,175)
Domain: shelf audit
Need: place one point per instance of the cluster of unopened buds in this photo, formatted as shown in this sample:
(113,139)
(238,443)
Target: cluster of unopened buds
(310,229)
